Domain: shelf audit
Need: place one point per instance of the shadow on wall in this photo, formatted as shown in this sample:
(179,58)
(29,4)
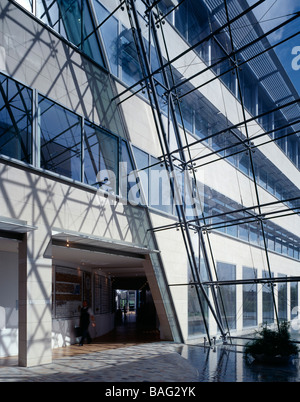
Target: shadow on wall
(46,62)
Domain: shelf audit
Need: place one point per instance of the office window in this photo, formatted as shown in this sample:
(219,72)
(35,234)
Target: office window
(110,32)
(268,304)
(60,136)
(72,19)
(249,298)
(192,22)
(100,158)
(15,120)
(196,323)
(282,300)
(223,68)
(196,316)
(249,89)
(227,294)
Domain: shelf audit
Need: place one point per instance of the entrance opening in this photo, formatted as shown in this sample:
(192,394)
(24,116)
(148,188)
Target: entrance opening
(115,285)
(136,318)
(8,297)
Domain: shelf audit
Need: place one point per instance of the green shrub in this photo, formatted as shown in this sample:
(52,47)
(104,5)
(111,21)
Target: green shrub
(272,343)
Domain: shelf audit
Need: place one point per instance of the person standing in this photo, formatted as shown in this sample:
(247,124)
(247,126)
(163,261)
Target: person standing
(86,316)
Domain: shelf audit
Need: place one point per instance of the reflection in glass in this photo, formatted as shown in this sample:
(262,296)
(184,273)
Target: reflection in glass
(100,158)
(282,300)
(60,132)
(109,31)
(249,298)
(15,120)
(120,47)
(268,305)
(227,294)
(196,323)
(72,19)
(294,299)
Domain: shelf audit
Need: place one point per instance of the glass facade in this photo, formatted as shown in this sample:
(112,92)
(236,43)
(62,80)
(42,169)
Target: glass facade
(254,84)
(77,149)
(213,204)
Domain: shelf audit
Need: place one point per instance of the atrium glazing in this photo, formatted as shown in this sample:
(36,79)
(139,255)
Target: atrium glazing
(186,112)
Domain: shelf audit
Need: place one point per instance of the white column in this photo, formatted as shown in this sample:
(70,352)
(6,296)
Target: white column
(35,287)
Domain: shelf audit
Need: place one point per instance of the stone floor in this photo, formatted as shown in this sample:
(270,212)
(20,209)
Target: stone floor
(153,362)
(130,356)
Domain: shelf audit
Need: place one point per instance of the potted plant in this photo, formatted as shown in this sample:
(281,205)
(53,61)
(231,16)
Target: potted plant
(272,346)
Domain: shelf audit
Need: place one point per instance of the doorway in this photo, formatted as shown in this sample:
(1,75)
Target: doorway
(8,297)
(135,317)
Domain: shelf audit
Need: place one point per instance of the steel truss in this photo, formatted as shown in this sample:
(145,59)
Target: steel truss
(174,158)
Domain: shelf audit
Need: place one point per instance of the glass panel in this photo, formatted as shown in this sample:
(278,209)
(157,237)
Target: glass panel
(294,299)
(60,132)
(72,19)
(227,294)
(129,63)
(282,300)
(26,4)
(109,31)
(129,188)
(268,305)
(142,161)
(221,68)
(90,41)
(249,298)
(15,120)
(100,159)
(160,195)
(196,323)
